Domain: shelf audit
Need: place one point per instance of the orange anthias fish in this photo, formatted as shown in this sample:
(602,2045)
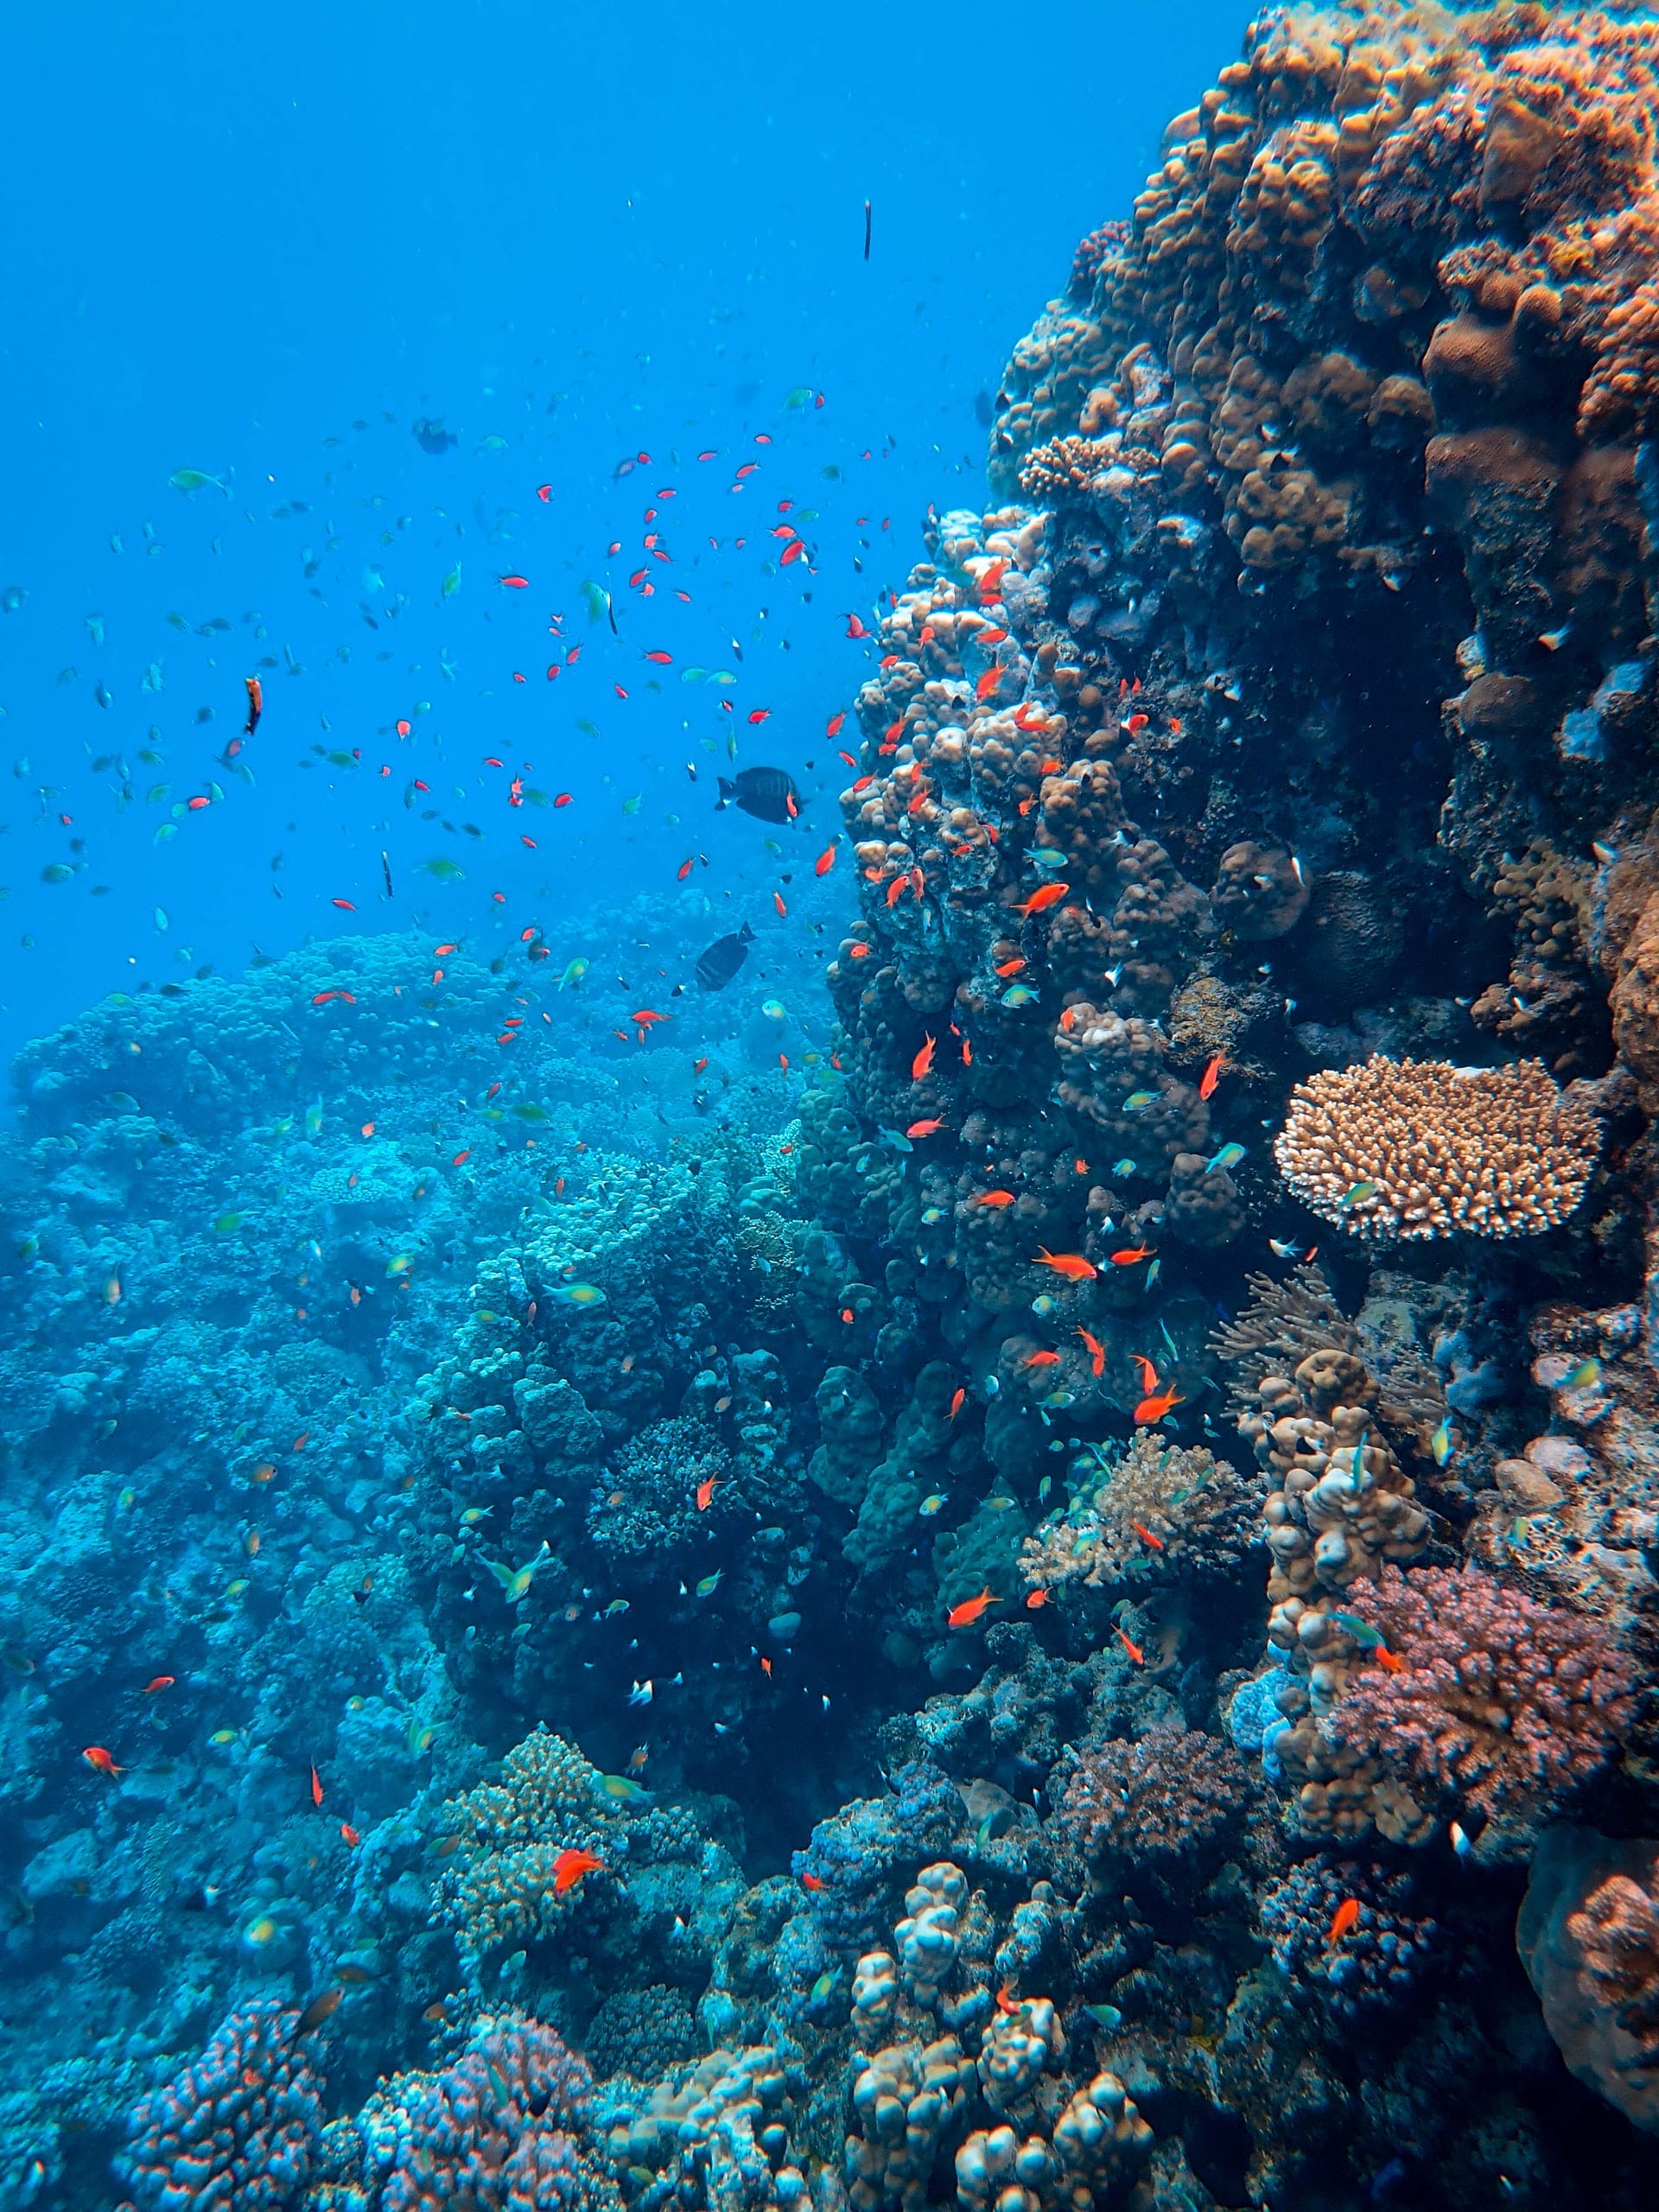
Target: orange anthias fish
(1045,895)
(924,1128)
(101,1761)
(1071,1265)
(1097,1353)
(1133,1256)
(996,1199)
(1345,1916)
(256,705)
(1041,1359)
(1004,1998)
(1147,1536)
(1211,1075)
(350,1834)
(316,1787)
(1037,1599)
(1154,1407)
(965,1614)
(646,1015)
(813,1882)
(1006,968)
(569,1867)
(160,1682)
(956,1403)
(922,1062)
(1148,1373)
(1134,1650)
(705,1492)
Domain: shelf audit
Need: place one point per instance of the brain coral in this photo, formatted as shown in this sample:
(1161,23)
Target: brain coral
(1499,1704)
(1415,1149)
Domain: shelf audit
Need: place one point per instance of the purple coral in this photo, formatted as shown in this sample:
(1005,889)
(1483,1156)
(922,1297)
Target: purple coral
(1155,1801)
(1498,1702)
(497,2131)
(235,2128)
(1372,1965)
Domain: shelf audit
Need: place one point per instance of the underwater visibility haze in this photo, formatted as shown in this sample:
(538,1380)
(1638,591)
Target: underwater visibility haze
(828,1218)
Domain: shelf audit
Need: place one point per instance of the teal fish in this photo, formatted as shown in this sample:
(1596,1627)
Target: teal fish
(710,1583)
(1018,995)
(1441,1443)
(503,2095)
(192,481)
(825,1982)
(452,582)
(1125,1166)
(1001,1503)
(1584,1375)
(617,1605)
(1229,1156)
(1137,1099)
(574,972)
(632,805)
(1358,1194)
(516,1580)
(314,1119)
(621,1790)
(934,1502)
(595,599)
(577,1293)
(1107,2015)
(228,1223)
(1043,856)
(1044,1488)
(444,869)
(1361,1631)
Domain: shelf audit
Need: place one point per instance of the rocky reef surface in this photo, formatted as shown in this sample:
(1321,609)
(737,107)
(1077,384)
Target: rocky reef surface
(1065,1616)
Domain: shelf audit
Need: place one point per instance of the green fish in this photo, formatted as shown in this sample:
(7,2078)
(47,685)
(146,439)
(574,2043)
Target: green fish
(1358,1194)
(577,1293)
(710,1583)
(722,676)
(588,728)
(1019,994)
(528,1110)
(1229,1156)
(493,443)
(1440,1444)
(798,397)
(516,1580)
(693,675)
(825,1982)
(621,1790)
(617,1605)
(1137,1099)
(1370,1639)
(1001,1503)
(1584,1375)
(314,1120)
(1107,2015)
(443,869)
(574,972)
(632,805)
(228,1223)
(192,481)
(56,872)
(160,918)
(452,582)
(934,1502)
(503,2095)
(595,599)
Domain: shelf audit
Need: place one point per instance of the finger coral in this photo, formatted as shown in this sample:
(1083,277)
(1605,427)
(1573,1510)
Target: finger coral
(1417,1149)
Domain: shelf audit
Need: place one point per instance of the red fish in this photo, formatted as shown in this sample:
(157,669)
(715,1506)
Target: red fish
(1133,1256)
(544,492)
(1006,968)
(160,1682)
(569,1867)
(462,1158)
(896,889)
(1211,1075)
(988,682)
(854,629)
(1134,1650)
(990,584)
(996,1199)
(1147,1536)
(1070,1265)
(777,901)
(825,861)
(956,1404)
(686,868)
(965,1614)
(662,660)
(924,1128)
(562,799)
(1155,1407)
(1047,895)
(1041,1359)
(316,1787)
(514,583)
(256,705)
(1097,1353)
(1148,1373)
(350,1834)
(101,1761)
(832,728)
(812,1882)
(923,1061)
(792,551)
(1345,1916)
(705,1492)
(646,1015)
(1036,1598)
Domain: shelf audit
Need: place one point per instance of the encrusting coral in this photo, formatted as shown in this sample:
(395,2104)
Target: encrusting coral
(1420,1150)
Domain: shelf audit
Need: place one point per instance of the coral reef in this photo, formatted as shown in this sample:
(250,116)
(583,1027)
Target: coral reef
(1588,1934)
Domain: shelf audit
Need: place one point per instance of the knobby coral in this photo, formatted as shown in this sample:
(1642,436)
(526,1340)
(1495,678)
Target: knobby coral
(238,2126)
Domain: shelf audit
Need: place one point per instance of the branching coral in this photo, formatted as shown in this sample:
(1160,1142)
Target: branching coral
(1063,467)
(1199,1509)
(1416,1149)
(1499,1705)
(1155,1801)
(503,1887)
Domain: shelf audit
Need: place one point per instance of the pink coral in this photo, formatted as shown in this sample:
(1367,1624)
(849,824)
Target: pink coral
(237,2126)
(1499,1703)
(1157,1802)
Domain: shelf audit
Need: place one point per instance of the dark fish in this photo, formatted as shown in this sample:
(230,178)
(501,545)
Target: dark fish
(984,412)
(317,2012)
(432,438)
(769,794)
(867,229)
(721,962)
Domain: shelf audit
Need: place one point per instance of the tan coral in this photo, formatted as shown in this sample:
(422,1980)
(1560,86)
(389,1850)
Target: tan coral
(1419,1149)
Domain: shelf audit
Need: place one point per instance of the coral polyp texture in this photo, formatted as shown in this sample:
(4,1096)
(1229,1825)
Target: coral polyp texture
(239,2126)
(1420,1150)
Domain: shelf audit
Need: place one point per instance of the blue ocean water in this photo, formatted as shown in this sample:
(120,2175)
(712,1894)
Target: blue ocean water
(826,1223)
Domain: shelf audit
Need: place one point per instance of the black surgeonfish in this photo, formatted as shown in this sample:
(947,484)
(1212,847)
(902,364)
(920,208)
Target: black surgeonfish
(721,962)
(768,793)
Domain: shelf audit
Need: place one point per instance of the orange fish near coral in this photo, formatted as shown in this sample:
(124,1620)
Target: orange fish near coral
(1133,1256)
(1388,1660)
(996,1199)
(1041,1359)
(922,1062)
(1045,895)
(316,1787)
(569,1867)
(101,1761)
(965,1614)
(956,1404)
(705,1492)
(1345,1916)
(1071,1265)
(350,1834)
(1148,1373)
(1097,1353)
(1211,1075)
(813,1882)
(1037,1599)
(1155,1407)
(1134,1650)
(924,1128)
(1147,1536)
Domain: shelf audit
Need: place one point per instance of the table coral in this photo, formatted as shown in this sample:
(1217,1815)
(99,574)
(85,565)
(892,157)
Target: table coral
(1499,1707)
(1420,1150)
(238,2126)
